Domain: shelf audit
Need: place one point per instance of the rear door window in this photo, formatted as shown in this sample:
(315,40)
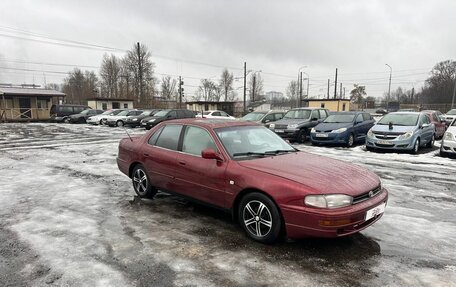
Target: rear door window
(169,137)
(315,114)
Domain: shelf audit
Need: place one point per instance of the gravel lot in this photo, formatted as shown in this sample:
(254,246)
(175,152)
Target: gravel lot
(68,217)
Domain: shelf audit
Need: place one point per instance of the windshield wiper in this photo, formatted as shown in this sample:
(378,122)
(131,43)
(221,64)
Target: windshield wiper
(249,153)
(277,151)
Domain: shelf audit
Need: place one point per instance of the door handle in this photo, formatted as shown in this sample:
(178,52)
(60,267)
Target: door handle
(146,154)
(181,162)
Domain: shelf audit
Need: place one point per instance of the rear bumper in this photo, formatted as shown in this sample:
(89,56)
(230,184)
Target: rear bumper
(123,166)
(307,222)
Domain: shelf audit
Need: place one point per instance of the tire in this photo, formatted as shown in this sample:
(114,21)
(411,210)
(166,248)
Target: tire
(416,146)
(101,122)
(141,182)
(301,136)
(66,120)
(430,144)
(120,123)
(368,148)
(442,153)
(350,140)
(260,218)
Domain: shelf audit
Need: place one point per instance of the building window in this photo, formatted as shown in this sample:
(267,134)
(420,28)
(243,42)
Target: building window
(104,106)
(343,107)
(322,105)
(115,105)
(206,107)
(125,106)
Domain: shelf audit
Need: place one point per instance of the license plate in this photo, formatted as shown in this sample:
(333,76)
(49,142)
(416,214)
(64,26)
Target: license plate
(385,142)
(321,135)
(279,131)
(371,213)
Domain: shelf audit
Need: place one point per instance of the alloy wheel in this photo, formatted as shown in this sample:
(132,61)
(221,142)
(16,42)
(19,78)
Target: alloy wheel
(257,218)
(351,140)
(140,182)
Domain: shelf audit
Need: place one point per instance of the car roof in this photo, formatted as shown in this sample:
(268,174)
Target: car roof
(407,113)
(212,123)
(308,108)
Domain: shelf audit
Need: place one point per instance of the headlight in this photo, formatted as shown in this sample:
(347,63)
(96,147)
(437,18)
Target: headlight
(328,201)
(293,126)
(151,120)
(312,130)
(338,131)
(405,136)
(272,126)
(370,133)
(135,119)
(448,137)
(89,119)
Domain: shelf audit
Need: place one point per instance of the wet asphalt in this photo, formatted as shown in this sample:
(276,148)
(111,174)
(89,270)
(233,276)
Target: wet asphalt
(68,217)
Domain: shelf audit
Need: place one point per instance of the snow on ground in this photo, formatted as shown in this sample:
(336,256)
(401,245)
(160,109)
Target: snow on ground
(68,217)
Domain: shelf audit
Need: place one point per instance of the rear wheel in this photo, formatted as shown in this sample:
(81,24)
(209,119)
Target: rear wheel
(141,183)
(260,217)
(416,146)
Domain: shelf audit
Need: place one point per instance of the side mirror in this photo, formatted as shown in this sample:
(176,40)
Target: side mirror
(211,154)
(425,126)
(266,121)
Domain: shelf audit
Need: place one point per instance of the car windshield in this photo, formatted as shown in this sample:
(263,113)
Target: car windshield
(340,118)
(253,117)
(146,113)
(84,112)
(108,113)
(243,142)
(298,114)
(116,112)
(123,113)
(399,119)
(206,113)
(452,112)
(161,113)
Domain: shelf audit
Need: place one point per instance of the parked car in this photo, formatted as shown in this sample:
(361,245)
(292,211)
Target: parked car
(166,115)
(82,117)
(214,115)
(97,119)
(264,117)
(120,119)
(268,186)
(297,123)
(450,116)
(439,122)
(342,128)
(105,118)
(136,121)
(381,111)
(401,131)
(408,110)
(448,145)
(60,113)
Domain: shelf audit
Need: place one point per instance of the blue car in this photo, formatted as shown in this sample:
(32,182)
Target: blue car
(407,131)
(344,128)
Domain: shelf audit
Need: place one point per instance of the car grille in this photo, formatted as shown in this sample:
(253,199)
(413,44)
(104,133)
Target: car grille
(387,135)
(367,195)
(281,127)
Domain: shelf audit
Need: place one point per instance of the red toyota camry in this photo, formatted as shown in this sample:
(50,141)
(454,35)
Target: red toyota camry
(271,188)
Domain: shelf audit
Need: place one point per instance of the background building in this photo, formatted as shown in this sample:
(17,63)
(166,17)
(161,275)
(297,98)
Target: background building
(333,105)
(108,104)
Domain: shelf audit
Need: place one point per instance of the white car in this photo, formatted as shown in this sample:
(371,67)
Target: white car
(97,120)
(450,116)
(215,115)
(448,145)
(120,119)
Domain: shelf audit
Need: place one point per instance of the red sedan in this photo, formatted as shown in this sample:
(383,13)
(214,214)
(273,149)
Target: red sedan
(270,188)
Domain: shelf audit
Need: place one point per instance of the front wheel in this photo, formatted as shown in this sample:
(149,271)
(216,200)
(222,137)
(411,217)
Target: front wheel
(301,136)
(66,120)
(141,183)
(350,140)
(430,144)
(120,123)
(259,217)
(416,146)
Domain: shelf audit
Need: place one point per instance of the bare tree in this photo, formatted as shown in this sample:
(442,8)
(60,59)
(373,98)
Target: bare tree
(208,90)
(256,87)
(79,86)
(110,72)
(293,92)
(226,85)
(168,88)
(357,94)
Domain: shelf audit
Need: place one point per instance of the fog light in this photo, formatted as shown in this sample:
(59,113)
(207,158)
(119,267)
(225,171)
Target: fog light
(333,223)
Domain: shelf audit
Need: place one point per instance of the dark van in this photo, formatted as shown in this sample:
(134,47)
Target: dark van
(61,113)
(165,115)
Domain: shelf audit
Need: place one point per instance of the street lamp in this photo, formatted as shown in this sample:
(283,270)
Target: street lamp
(254,84)
(389,87)
(300,84)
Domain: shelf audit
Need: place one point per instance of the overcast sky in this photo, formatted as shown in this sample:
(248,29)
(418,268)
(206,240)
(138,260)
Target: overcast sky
(276,37)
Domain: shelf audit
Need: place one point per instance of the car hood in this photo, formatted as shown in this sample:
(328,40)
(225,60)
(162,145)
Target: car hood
(396,129)
(115,118)
(149,118)
(291,121)
(318,173)
(332,126)
(75,116)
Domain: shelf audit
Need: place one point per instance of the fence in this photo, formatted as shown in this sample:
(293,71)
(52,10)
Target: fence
(17,114)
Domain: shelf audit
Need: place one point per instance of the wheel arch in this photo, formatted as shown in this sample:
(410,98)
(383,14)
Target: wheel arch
(132,166)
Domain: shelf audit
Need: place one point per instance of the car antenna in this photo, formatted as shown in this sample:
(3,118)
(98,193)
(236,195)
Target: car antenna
(127,133)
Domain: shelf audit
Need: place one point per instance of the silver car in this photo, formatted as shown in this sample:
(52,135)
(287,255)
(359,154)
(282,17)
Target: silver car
(448,145)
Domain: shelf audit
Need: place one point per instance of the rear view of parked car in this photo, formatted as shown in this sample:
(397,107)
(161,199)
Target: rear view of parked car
(297,123)
(439,122)
(448,145)
(60,113)
(135,121)
(82,117)
(166,115)
(344,128)
(406,131)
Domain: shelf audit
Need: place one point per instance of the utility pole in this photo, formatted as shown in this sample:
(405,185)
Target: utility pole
(389,87)
(308,80)
(344,92)
(454,92)
(140,71)
(245,78)
(300,89)
(335,86)
(340,91)
(328,89)
(253,86)
(180,92)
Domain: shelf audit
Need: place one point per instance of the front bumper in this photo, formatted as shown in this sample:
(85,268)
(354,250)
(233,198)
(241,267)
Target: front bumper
(308,222)
(286,133)
(448,146)
(329,138)
(110,122)
(395,144)
(93,121)
(132,123)
(148,125)
(57,119)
